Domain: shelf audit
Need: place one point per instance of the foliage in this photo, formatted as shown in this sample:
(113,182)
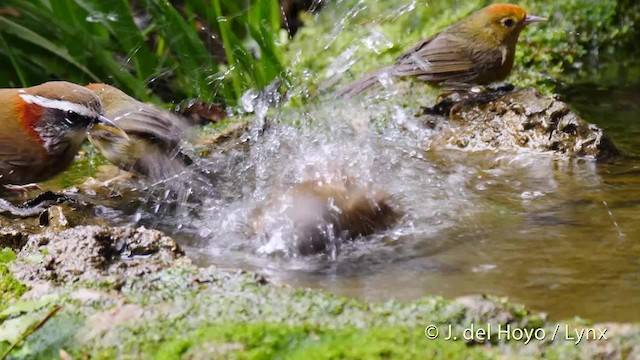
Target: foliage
(142,44)
(583,39)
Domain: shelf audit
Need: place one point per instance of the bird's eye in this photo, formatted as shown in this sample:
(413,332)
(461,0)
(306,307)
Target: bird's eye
(70,117)
(508,22)
(74,119)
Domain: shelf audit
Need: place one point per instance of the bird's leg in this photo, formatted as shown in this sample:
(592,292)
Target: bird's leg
(118,178)
(22,189)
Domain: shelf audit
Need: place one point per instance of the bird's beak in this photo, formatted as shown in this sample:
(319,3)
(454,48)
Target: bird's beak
(104,124)
(532,19)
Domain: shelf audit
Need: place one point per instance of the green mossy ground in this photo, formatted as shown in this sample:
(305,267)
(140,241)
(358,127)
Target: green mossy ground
(203,313)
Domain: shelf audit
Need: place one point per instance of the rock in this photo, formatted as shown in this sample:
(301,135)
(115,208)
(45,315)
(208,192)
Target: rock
(13,238)
(232,137)
(481,309)
(55,218)
(492,314)
(95,253)
(102,322)
(516,120)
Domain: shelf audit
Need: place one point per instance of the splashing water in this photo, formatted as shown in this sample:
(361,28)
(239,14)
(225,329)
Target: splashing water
(102,17)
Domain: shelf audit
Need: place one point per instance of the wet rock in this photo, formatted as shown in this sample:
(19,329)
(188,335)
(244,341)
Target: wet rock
(516,120)
(232,137)
(94,253)
(483,309)
(55,218)
(13,238)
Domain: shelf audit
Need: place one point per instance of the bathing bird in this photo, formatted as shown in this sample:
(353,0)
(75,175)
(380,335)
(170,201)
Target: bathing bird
(154,148)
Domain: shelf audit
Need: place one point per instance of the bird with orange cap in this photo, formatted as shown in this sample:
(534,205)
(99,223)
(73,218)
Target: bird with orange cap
(477,50)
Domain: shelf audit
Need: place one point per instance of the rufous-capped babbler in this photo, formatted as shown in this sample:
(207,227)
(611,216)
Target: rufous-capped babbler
(43,127)
(156,135)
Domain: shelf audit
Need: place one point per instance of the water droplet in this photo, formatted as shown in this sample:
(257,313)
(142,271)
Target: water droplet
(101,17)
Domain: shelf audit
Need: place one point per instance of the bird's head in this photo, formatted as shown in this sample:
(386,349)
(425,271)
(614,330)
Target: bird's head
(110,97)
(500,23)
(59,112)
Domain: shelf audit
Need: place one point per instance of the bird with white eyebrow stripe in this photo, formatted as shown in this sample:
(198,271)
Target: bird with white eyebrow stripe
(42,128)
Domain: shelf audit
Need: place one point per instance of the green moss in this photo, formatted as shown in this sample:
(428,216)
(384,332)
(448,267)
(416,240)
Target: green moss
(82,168)
(269,341)
(10,288)
(214,128)
(187,312)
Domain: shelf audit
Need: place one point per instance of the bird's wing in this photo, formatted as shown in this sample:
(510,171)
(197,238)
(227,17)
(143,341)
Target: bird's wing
(442,57)
(20,156)
(13,154)
(153,124)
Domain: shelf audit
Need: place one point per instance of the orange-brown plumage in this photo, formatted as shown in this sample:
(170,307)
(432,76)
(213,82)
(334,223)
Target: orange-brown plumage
(477,50)
(43,128)
(506,9)
(29,115)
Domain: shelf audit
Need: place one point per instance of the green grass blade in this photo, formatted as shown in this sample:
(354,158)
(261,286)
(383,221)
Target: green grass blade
(20,31)
(14,61)
(183,40)
(229,41)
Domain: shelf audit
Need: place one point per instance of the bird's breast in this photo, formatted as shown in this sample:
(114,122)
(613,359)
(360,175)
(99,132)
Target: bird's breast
(493,65)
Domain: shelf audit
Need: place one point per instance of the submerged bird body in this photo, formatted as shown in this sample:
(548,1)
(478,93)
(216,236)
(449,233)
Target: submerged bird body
(318,215)
(478,50)
(155,135)
(43,128)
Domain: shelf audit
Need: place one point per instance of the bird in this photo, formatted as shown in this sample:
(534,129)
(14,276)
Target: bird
(321,212)
(156,136)
(43,128)
(477,50)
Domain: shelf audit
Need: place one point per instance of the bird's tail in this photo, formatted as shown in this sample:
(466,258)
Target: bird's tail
(365,82)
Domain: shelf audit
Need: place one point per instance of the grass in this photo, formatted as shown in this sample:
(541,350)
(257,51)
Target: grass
(153,45)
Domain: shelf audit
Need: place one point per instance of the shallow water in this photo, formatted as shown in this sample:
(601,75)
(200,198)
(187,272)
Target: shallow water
(561,236)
